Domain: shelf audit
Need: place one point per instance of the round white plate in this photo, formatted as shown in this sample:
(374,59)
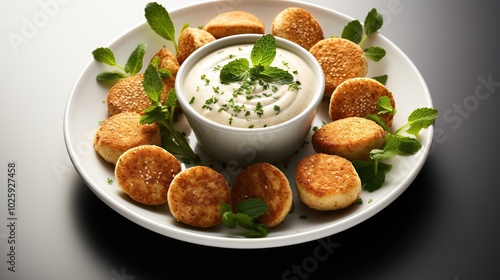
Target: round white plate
(86,107)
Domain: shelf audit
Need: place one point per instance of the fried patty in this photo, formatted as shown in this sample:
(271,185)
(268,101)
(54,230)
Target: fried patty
(352,138)
(297,25)
(190,40)
(122,132)
(145,173)
(358,97)
(196,194)
(340,60)
(267,182)
(234,22)
(327,182)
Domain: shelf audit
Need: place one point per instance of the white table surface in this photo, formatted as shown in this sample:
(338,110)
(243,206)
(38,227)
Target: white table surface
(450,224)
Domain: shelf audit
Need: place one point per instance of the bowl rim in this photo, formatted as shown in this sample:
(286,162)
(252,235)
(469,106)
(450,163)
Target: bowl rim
(210,47)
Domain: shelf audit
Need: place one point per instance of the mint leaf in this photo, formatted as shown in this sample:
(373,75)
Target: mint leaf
(371,173)
(264,51)
(235,71)
(171,100)
(376,118)
(373,22)
(421,118)
(159,20)
(258,230)
(246,211)
(389,150)
(375,183)
(172,140)
(273,75)
(253,207)
(110,76)
(409,146)
(153,84)
(353,31)
(134,62)
(382,79)
(384,106)
(375,53)
(104,55)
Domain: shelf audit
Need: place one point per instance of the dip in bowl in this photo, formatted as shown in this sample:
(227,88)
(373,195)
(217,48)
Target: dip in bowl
(240,117)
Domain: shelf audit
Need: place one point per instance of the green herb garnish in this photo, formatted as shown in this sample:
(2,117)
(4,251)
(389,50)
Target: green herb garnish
(132,66)
(402,142)
(163,114)
(358,33)
(159,20)
(262,55)
(246,212)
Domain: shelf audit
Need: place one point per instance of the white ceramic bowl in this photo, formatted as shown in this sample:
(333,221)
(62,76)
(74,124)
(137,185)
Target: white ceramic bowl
(244,146)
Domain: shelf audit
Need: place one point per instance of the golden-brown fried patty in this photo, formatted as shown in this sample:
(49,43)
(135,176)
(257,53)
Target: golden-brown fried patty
(352,138)
(298,26)
(128,95)
(234,22)
(327,182)
(167,60)
(267,182)
(190,40)
(145,173)
(358,97)
(196,194)
(121,132)
(340,59)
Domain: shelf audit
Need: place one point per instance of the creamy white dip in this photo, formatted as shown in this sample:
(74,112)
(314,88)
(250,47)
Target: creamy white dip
(261,106)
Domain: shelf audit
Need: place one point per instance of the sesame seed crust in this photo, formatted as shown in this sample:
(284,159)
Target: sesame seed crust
(267,182)
(352,138)
(196,194)
(122,132)
(358,97)
(145,173)
(340,60)
(298,26)
(327,182)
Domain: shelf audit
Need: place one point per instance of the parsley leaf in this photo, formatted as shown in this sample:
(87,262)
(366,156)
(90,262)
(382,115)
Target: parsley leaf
(246,212)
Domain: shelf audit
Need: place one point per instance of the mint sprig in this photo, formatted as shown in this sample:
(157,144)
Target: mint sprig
(402,142)
(159,20)
(132,67)
(359,34)
(246,212)
(163,114)
(261,56)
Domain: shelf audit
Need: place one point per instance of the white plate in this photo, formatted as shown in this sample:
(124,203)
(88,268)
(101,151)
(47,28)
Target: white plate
(86,108)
